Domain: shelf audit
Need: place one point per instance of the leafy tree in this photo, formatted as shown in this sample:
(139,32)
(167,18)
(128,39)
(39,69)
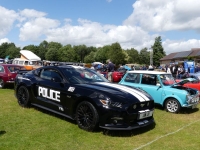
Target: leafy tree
(144,56)
(32,48)
(102,54)
(66,53)
(13,52)
(133,55)
(9,49)
(116,54)
(43,48)
(81,51)
(54,45)
(158,51)
(90,58)
(3,48)
(52,54)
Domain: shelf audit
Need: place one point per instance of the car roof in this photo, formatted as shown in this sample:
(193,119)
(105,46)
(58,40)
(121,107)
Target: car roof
(147,72)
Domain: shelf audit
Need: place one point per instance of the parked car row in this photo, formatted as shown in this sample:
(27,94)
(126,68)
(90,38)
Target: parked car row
(84,95)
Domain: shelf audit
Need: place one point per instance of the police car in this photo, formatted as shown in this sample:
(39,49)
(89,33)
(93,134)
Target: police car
(85,96)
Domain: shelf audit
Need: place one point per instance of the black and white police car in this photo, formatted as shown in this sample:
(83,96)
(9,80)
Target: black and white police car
(86,96)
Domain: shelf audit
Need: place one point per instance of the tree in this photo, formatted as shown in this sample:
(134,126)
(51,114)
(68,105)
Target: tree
(9,49)
(32,48)
(133,56)
(43,48)
(158,51)
(81,51)
(116,54)
(90,58)
(144,56)
(66,54)
(52,54)
(102,54)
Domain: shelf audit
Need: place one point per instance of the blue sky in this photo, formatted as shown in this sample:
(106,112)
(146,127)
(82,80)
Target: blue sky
(134,24)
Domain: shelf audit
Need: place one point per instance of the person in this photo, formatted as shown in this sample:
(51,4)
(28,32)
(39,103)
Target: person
(168,69)
(151,67)
(180,72)
(133,67)
(111,67)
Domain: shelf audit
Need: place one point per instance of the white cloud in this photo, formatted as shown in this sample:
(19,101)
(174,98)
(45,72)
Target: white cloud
(7,19)
(34,28)
(148,16)
(178,46)
(165,15)
(4,40)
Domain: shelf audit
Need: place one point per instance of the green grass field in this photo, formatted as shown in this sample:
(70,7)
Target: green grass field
(34,129)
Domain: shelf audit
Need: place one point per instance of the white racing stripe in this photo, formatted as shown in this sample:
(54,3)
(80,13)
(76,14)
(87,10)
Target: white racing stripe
(134,92)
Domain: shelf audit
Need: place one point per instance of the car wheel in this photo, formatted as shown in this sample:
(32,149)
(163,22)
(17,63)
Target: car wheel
(23,97)
(1,83)
(87,116)
(172,105)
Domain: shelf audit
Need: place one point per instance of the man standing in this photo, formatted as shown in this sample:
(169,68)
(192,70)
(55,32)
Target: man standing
(111,67)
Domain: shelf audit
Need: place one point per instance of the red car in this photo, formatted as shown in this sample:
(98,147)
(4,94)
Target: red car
(8,73)
(116,75)
(194,84)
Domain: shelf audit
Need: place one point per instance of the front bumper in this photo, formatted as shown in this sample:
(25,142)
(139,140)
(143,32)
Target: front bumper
(138,124)
(122,119)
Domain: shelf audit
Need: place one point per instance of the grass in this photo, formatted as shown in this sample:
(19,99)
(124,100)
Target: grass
(34,129)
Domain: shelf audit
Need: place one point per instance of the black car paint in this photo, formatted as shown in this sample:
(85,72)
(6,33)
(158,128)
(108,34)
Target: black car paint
(89,92)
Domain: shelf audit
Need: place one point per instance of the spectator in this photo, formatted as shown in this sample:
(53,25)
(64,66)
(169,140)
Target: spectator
(111,67)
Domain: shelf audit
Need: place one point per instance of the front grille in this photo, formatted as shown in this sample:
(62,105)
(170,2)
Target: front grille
(140,106)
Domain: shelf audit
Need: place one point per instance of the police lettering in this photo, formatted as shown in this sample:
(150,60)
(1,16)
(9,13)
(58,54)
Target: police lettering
(49,93)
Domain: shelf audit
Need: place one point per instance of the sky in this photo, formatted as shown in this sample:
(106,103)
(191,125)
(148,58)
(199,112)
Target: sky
(131,23)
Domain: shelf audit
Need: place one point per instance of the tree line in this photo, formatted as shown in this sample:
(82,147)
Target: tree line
(55,51)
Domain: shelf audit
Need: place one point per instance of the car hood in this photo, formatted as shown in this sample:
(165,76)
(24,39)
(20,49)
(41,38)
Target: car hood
(184,81)
(119,91)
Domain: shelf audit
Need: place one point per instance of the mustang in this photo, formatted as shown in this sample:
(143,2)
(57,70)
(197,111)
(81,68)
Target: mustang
(86,96)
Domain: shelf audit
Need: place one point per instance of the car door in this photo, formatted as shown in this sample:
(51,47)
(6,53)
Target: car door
(151,84)
(52,91)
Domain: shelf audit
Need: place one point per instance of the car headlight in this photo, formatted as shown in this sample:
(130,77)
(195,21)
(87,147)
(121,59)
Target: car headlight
(105,100)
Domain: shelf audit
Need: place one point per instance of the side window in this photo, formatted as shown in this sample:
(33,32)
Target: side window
(15,62)
(26,63)
(149,79)
(133,78)
(50,74)
(1,69)
(21,62)
(45,74)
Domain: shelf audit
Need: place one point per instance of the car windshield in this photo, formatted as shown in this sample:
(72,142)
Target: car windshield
(167,79)
(83,75)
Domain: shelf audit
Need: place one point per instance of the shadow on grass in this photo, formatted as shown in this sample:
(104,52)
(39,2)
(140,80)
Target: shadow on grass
(117,133)
(128,133)
(2,132)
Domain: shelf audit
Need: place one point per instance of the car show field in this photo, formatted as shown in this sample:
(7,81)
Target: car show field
(34,128)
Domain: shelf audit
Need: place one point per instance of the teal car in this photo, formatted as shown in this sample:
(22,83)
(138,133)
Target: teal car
(163,88)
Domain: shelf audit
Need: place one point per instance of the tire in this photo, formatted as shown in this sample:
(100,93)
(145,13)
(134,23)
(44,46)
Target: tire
(87,116)
(2,85)
(172,105)
(23,97)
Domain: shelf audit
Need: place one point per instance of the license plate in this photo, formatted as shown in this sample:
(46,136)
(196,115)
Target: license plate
(144,114)
(194,106)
